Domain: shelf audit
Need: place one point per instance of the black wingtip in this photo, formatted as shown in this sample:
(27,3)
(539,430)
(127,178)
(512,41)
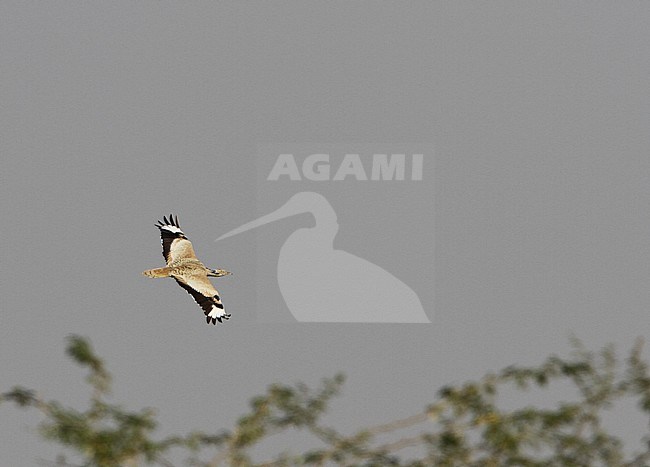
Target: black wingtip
(173,220)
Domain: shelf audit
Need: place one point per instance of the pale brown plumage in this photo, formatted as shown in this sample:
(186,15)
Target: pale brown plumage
(188,271)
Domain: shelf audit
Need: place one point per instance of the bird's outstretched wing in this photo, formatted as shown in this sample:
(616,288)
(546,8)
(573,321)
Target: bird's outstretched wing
(175,244)
(204,293)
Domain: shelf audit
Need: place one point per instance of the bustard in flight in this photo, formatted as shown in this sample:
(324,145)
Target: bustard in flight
(188,271)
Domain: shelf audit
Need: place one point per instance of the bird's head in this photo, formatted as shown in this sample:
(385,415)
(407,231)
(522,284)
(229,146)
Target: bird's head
(219,273)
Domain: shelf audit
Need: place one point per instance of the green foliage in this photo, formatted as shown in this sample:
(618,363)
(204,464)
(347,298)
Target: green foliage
(464,426)
(104,434)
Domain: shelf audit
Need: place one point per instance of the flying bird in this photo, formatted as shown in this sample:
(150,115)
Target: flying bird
(188,271)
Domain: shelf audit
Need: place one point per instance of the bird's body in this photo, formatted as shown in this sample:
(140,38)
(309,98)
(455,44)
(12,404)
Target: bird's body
(188,271)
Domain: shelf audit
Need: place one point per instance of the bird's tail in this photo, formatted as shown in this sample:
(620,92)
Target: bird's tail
(158,272)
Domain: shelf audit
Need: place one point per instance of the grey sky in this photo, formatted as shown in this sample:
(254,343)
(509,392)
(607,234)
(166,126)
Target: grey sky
(116,113)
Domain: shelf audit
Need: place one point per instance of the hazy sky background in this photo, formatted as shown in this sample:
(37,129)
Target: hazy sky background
(116,113)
